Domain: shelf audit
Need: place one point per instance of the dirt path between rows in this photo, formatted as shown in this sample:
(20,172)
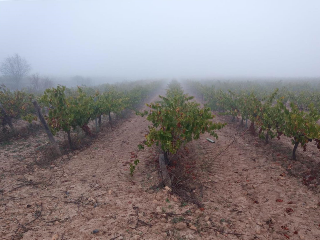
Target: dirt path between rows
(249,195)
(244,193)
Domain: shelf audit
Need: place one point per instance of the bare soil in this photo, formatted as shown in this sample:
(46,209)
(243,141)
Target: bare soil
(235,188)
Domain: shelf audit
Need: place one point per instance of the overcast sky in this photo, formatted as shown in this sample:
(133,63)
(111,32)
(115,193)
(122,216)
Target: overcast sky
(164,38)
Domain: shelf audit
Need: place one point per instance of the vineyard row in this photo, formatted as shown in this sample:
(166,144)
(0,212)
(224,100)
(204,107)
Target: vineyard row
(272,114)
(66,109)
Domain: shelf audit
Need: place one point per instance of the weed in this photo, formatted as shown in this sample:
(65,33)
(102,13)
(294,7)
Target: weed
(179,219)
(133,166)
(183,204)
(188,212)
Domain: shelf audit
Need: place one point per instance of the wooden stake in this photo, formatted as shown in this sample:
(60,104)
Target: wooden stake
(46,127)
(164,172)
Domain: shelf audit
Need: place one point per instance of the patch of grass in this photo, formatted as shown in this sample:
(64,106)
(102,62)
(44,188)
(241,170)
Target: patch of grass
(179,219)
(222,220)
(183,204)
(188,212)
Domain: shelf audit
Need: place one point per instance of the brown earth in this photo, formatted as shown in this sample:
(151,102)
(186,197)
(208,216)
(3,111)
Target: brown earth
(235,188)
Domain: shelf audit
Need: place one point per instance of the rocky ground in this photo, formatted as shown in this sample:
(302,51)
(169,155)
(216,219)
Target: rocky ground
(235,188)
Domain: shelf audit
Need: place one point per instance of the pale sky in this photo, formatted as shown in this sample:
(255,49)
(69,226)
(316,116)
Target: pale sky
(164,38)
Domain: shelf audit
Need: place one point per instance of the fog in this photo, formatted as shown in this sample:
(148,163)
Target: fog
(127,40)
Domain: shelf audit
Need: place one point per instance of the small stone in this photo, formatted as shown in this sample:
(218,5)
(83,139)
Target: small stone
(192,227)
(110,192)
(181,226)
(174,198)
(258,229)
(163,220)
(190,236)
(301,236)
(207,218)
(164,235)
(197,211)
(95,231)
(30,178)
(158,209)
(55,237)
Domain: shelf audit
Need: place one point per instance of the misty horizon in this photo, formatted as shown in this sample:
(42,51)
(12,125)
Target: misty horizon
(164,39)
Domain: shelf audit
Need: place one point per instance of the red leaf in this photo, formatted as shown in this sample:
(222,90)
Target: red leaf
(290,202)
(202,209)
(295,232)
(279,200)
(256,202)
(286,236)
(289,210)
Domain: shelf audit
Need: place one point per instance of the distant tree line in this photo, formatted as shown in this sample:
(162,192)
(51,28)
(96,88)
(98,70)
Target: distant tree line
(15,74)
(14,69)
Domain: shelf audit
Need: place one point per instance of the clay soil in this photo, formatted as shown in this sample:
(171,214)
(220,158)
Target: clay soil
(235,188)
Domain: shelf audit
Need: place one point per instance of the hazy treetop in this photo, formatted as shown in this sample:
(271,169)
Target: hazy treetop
(164,38)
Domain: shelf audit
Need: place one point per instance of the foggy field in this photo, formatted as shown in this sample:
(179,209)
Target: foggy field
(159,119)
(95,180)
